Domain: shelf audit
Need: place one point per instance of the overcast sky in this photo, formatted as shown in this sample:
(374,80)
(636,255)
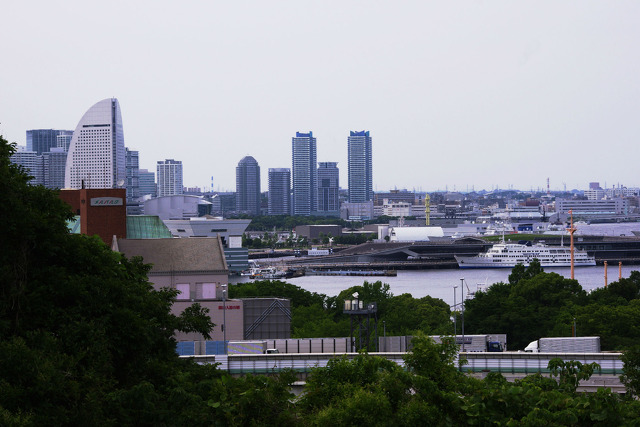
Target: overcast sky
(457,95)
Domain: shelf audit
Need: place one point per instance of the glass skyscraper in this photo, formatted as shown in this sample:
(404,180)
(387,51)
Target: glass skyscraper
(305,174)
(279,191)
(147,182)
(132,161)
(43,140)
(248,186)
(360,167)
(96,156)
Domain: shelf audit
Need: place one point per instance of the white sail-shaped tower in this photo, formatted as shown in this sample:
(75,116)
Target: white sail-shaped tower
(96,156)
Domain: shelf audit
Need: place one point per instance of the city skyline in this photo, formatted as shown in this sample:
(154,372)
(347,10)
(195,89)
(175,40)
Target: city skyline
(477,95)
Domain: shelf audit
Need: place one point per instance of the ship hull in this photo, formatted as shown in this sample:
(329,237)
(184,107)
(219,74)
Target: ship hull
(508,255)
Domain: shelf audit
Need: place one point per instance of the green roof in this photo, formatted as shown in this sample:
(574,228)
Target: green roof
(146,227)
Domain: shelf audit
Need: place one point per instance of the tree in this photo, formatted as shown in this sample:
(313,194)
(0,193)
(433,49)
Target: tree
(631,370)
(571,372)
(81,327)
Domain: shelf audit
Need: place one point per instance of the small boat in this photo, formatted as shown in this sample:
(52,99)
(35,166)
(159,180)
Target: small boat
(267,273)
(508,255)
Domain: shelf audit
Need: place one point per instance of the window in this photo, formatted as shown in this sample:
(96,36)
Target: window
(183,291)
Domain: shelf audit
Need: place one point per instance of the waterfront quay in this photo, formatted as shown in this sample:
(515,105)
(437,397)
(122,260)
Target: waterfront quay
(440,254)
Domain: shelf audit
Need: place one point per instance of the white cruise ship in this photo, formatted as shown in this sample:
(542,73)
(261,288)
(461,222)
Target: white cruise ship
(508,255)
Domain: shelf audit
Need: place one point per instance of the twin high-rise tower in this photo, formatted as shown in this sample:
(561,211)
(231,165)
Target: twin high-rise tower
(315,186)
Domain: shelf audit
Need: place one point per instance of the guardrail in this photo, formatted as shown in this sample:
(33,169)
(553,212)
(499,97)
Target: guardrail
(512,364)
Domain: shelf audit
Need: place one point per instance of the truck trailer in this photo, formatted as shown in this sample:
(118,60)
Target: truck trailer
(246,347)
(476,343)
(565,345)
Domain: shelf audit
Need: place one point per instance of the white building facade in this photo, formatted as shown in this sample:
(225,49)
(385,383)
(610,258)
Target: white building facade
(96,157)
(169,177)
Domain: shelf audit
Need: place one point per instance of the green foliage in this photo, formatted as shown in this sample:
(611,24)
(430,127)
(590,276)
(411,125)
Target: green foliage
(631,370)
(276,288)
(253,400)
(533,304)
(570,373)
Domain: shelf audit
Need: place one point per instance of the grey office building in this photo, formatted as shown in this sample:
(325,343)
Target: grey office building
(248,186)
(305,174)
(360,167)
(279,191)
(147,183)
(43,140)
(54,163)
(328,189)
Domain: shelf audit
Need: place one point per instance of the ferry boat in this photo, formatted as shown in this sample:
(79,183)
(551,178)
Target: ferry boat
(508,255)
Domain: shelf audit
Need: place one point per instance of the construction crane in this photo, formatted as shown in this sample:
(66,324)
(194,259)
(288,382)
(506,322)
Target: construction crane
(427,209)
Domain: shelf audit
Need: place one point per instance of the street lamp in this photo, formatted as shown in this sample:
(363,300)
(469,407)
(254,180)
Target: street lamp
(462,310)
(455,313)
(224,316)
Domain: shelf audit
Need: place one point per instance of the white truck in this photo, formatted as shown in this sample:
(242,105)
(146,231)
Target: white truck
(565,345)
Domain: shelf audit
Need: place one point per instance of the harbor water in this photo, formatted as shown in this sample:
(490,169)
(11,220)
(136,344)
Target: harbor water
(440,283)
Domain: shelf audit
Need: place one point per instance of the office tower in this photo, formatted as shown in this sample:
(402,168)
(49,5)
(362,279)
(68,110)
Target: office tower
(305,174)
(147,183)
(328,188)
(248,186)
(54,163)
(360,171)
(132,168)
(96,156)
(279,191)
(31,162)
(63,140)
(43,140)
(169,177)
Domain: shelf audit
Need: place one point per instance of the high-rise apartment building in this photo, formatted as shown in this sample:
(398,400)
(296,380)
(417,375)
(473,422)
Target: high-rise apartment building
(305,174)
(43,140)
(279,191)
(328,189)
(360,167)
(169,177)
(248,186)
(96,156)
(147,183)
